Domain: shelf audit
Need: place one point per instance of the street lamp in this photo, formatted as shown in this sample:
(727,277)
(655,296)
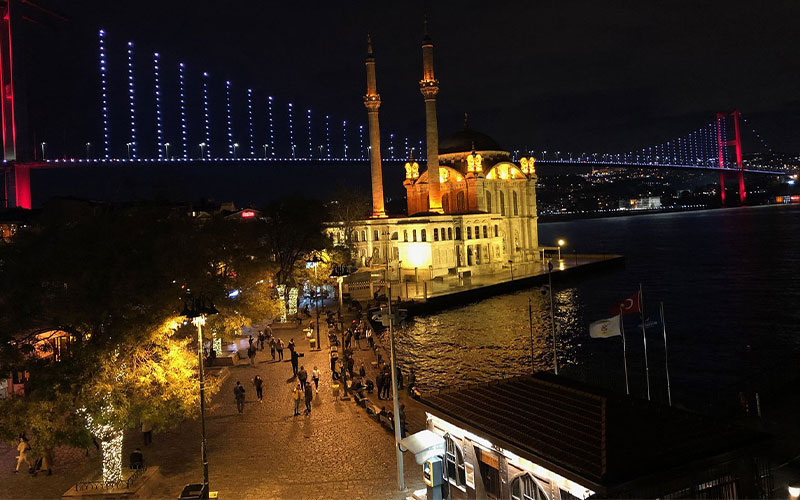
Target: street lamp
(549,289)
(43,145)
(129,144)
(88,150)
(265,149)
(235,147)
(314,262)
(202,149)
(196,309)
(561,243)
(166,150)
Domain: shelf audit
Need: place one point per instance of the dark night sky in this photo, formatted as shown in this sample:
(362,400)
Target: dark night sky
(569,75)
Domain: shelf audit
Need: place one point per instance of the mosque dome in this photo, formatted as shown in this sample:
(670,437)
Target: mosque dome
(463,141)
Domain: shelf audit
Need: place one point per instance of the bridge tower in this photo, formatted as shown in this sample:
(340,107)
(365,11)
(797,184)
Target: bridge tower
(722,143)
(13,117)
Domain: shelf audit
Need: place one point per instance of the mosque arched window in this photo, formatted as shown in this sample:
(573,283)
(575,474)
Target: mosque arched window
(423,235)
(460,204)
(514,198)
(469,233)
(355,236)
(485,232)
(450,233)
(525,487)
(414,235)
(436,234)
(364,235)
(446,203)
(502,203)
(477,232)
(458,233)
(375,235)
(496,231)
(488,202)
(405,234)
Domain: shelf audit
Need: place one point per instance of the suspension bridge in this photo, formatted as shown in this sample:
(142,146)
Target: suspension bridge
(155,111)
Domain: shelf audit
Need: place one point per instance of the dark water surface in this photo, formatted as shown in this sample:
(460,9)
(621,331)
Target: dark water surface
(729,280)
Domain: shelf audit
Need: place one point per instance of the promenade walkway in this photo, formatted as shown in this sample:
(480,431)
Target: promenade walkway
(336,452)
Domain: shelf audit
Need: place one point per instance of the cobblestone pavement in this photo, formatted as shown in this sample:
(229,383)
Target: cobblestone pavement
(335,452)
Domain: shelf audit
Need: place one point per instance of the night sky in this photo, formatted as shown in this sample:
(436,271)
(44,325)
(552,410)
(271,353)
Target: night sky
(569,75)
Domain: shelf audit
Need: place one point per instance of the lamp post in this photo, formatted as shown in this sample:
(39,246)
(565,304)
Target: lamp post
(202,149)
(88,150)
(561,243)
(43,146)
(314,261)
(552,313)
(129,144)
(166,150)
(196,309)
(265,149)
(235,147)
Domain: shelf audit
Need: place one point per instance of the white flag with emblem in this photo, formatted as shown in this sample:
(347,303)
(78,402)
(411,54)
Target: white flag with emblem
(605,328)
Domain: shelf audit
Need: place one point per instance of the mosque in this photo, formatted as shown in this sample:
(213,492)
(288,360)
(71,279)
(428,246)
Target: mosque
(471,212)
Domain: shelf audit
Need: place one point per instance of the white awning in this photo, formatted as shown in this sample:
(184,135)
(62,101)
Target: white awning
(424,445)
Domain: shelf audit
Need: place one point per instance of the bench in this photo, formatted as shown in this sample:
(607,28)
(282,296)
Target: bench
(360,401)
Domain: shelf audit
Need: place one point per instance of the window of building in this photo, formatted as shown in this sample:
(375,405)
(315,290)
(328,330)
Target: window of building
(355,236)
(485,232)
(502,203)
(375,235)
(488,202)
(514,199)
(424,236)
(477,232)
(469,233)
(449,233)
(405,234)
(436,234)
(496,231)
(364,235)
(454,462)
(446,203)
(525,487)
(458,233)
(414,234)
(460,203)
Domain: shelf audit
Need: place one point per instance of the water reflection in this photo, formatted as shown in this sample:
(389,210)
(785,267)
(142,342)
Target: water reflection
(489,339)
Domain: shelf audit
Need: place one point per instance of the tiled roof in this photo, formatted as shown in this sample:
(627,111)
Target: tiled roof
(583,432)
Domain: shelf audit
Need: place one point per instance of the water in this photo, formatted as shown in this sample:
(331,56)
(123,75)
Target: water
(729,280)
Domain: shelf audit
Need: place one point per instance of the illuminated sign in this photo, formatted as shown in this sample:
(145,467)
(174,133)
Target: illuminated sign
(246,214)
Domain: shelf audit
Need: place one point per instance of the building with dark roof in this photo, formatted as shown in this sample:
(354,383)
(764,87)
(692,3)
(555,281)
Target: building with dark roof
(546,437)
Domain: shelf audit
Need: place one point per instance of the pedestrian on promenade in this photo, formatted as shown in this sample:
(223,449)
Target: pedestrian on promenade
(370,339)
(259,383)
(261,338)
(379,384)
(302,376)
(362,370)
(399,375)
(279,346)
(348,337)
(315,377)
(297,395)
(357,337)
(402,420)
(272,347)
(238,394)
(291,345)
(251,354)
(147,432)
(334,359)
(23,449)
(250,340)
(137,459)
(412,381)
(295,359)
(309,397)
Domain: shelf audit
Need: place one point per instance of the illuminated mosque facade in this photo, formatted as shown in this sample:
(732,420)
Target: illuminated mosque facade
(471,212)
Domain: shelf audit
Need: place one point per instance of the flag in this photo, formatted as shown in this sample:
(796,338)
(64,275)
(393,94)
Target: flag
(651,321)
(605,328)
(629,306)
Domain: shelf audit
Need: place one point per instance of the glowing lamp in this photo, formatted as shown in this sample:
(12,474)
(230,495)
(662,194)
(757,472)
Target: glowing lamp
(794,491)
(561,243)
(247,214)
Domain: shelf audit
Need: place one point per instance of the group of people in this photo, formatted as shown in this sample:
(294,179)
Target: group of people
(303,389)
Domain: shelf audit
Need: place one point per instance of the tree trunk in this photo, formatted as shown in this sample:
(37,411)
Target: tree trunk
(111,446)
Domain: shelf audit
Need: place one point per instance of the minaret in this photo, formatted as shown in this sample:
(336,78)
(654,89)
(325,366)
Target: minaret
(429,87)
(372,101)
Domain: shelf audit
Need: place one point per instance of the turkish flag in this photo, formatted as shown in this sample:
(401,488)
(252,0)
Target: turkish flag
(630,305)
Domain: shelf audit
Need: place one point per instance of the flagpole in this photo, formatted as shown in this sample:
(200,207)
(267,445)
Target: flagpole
(644,339)
(666,359)
(624,354)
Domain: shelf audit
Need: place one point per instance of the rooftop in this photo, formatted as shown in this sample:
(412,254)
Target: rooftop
(584,433)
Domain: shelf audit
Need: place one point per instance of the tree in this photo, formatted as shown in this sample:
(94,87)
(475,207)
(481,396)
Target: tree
(294,228)
(346,207)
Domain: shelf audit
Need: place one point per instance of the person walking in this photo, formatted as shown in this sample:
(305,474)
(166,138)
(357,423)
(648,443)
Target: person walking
(297,395)
(251,354)
(291,345)
(279,346)
(370,340)
(272,347)
(399,376)
(302,376)
(379,383)
(315,377)
(147,432)
(362,370)
(412,381)
(250,340)
(238,394)
(259,383)
(402,420)
(23,448)
(261,340)
(309,397)
(295,360)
